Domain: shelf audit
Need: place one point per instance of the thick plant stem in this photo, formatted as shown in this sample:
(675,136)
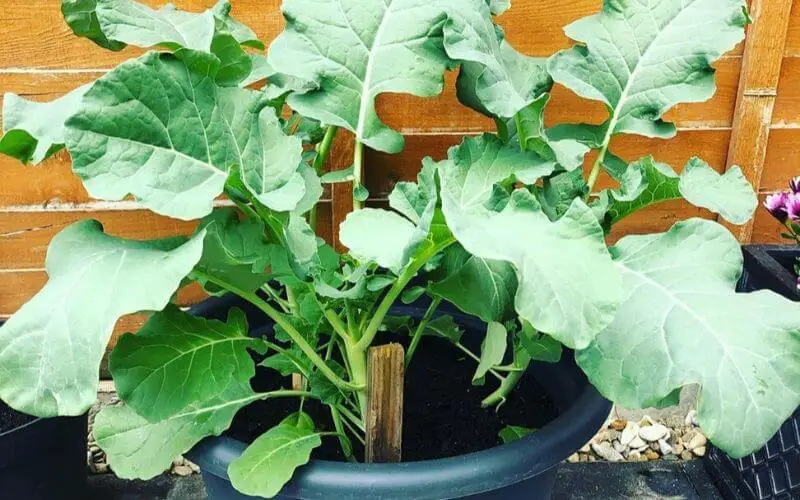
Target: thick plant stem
(358,165)
(296,337)
(395,291)
(598,164)
(412,348)
(358,372)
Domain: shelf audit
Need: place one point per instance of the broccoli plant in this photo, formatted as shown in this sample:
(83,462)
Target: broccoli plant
(507,227)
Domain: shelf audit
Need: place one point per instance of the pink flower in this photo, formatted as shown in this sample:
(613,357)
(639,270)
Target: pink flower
(776,205)
(793,206)
(794,184)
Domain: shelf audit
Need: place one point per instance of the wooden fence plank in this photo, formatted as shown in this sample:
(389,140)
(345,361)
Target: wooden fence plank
(758,88)
(384,415)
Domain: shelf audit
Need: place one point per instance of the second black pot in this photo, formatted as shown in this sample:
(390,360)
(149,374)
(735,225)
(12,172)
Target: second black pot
(525,469)
(44,459)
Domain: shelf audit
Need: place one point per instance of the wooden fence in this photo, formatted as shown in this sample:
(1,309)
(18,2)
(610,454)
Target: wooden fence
(754,120)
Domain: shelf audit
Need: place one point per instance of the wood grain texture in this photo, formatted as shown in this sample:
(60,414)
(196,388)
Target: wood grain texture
(384,416)
(783,159)
(758,89)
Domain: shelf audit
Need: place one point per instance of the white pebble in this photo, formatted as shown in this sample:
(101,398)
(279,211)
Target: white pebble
(606,452)
(621,448)
(691,418)
(637,443)
(699,451)
(653,432)
(664,447)
(629,433)
(697,441)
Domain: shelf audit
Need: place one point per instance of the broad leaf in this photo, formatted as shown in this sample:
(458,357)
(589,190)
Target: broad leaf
(568,285)
(176,360)
(683,323)
(539,346)
(495,79)
(354,50)
(493,349)
(81,16)
(511,433)
(323,388)
(387,238)
(559,191)
(234,251)
(658,182)
(481,287)
(34,131)
(138,449)
(173,149)
(50,350)
(729,194)
(270,461)
(643,58)
(238,30)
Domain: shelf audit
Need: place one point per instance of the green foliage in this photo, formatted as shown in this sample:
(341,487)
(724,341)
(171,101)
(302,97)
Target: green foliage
(508,228)
(50,366)
(511,433)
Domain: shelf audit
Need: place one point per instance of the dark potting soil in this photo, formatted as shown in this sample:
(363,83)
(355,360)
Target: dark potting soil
(10,419)
(442,417)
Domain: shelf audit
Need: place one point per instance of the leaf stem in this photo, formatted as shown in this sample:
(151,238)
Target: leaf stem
(278,318)
(358,163)
(412,348)
(395,291)
(598,164)
(324,149)
(477,359)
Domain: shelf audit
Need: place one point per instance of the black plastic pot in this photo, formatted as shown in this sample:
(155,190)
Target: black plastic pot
(525,469)
(44,459)
(773,472)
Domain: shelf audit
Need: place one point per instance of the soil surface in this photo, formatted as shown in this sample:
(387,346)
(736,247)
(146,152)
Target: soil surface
(443,415)
(10,419)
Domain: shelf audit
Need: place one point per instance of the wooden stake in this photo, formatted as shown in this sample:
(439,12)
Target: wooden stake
(384,418)
(298,384)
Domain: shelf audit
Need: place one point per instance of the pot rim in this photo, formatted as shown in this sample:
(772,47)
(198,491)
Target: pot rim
(463,475)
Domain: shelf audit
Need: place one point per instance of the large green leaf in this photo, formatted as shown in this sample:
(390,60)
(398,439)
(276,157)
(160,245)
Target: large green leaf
(568,285)
(233,250)
(386,237)
(729,195)
(176,360)
(138,449)
(495,79)
(170,136)
(657,182)
(33,131)
(270,461)
(50,350)
(354,50)
(81,16)
(682,323)
(643,58)
(481,287)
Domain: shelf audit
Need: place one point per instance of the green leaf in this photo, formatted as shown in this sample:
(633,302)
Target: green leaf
(481,287)
(34,131)
(173,149)
(224,23)
(564,262)
(412,294)
(293,360)
(498,7)
(683,323)
(493,348)
(177,359)
(559,191)
(387,238)
(353,53)
(658,183)
(495,79)
(50,350)
(138,449)
(81,16)
(445,327)
(270,461)
(234,251)
(323,388)
(729,194)
(396,323)
(337,176)
(539,346)
(360,193)
(642,59)
(511,433)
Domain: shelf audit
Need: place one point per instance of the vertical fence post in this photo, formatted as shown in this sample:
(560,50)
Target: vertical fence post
(758,89)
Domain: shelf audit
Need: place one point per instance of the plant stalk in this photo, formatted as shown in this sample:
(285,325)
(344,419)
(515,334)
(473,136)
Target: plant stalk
(323,152)
(358,163)
(412,348)
(296,337)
